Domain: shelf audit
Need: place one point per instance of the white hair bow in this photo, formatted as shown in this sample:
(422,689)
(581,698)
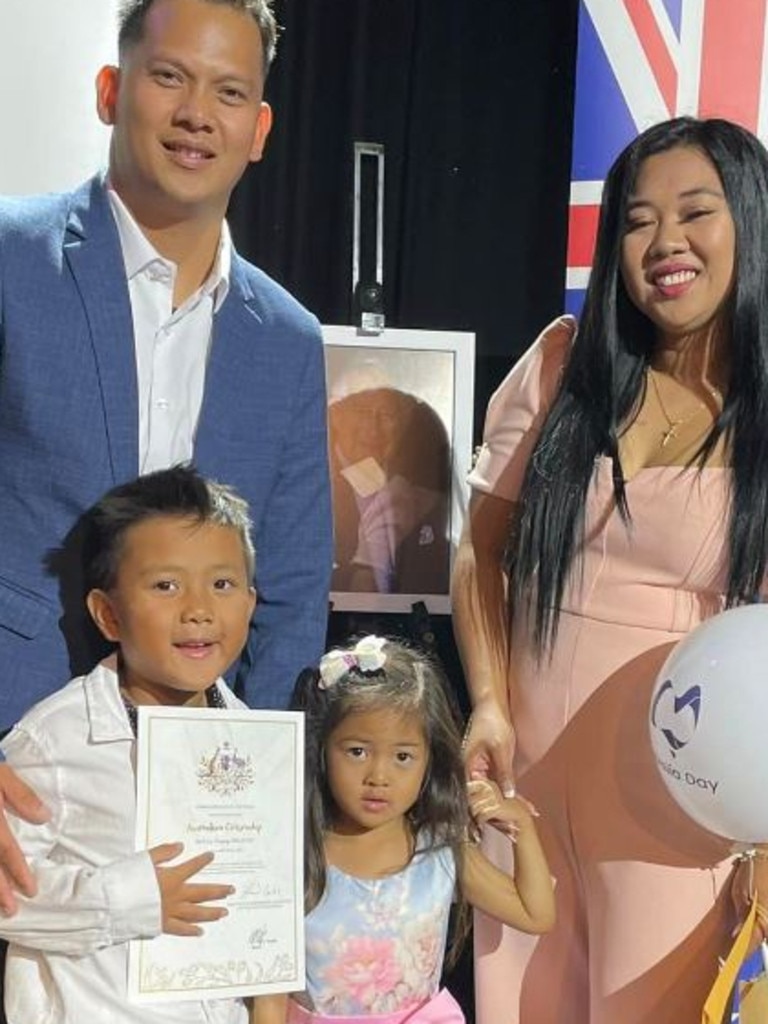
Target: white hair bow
(367,656)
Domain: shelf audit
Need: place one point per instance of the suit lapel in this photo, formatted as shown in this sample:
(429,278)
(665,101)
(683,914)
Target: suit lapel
(92,251)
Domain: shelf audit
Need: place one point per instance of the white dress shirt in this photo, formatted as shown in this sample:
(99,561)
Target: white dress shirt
(172,345)
(68,958)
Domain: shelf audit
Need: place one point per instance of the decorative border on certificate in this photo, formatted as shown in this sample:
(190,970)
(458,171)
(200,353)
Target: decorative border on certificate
(230,781)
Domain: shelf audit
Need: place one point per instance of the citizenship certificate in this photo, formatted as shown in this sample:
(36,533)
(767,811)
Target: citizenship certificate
(230,782)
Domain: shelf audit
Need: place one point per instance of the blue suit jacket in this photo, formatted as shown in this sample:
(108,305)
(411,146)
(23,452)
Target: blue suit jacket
(69,432)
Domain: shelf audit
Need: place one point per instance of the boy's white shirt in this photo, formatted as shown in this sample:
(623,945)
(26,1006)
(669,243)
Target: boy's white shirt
(76,749)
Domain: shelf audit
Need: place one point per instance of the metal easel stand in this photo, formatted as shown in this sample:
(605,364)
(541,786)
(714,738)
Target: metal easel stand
(367,278)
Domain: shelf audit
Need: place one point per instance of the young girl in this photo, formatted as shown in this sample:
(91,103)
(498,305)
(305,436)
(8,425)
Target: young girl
(387,844)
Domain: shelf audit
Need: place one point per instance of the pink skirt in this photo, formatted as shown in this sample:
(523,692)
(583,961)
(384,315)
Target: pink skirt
(440,1009)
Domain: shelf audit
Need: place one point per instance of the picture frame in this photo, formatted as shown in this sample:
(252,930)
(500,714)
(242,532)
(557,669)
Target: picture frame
(400,421)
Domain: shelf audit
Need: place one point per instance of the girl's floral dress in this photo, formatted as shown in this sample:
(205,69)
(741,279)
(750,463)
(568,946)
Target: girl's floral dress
(376,946)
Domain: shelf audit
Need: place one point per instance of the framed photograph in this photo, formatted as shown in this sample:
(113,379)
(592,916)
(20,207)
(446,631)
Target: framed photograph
(400,408)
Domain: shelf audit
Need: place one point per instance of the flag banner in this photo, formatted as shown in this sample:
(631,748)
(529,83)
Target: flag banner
(643,61)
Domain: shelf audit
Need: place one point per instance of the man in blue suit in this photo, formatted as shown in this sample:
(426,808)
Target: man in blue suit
(132,336)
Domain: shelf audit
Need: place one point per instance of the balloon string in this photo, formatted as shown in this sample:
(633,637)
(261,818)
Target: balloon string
(717,1000)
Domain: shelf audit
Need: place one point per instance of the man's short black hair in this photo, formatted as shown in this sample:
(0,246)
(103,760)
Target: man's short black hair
(132,14)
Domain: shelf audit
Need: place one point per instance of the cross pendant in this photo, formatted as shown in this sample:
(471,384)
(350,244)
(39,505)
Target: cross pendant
(669,434)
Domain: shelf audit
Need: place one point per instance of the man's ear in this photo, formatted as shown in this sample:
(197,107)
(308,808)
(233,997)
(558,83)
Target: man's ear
(107,83)
(263,127)
(103,614)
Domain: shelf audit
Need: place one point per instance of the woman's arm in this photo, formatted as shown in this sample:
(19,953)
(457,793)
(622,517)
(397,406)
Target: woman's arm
(525,901)
(516,412)
(478,594)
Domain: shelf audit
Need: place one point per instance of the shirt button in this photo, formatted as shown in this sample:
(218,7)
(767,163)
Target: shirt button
(162,403)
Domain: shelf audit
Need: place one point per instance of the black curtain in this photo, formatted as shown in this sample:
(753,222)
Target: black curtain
(473,102)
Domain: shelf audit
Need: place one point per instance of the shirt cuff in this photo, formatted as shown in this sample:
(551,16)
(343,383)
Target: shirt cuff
(134,898)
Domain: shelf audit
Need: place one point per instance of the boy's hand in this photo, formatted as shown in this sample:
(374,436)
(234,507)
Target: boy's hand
(510,815)
(183,901)
(16,796)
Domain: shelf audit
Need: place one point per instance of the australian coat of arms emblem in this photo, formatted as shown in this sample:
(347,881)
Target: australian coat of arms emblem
(225,771)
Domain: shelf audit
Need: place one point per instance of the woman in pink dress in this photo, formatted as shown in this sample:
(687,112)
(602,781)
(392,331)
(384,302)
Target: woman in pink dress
(619,498)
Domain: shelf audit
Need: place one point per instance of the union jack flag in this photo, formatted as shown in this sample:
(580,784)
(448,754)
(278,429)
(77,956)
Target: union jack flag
(643,61)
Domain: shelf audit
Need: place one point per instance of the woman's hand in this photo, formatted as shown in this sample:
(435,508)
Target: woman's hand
(750,879)
(489,746)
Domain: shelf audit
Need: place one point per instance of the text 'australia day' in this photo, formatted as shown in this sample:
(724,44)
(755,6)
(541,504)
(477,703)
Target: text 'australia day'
(689,778)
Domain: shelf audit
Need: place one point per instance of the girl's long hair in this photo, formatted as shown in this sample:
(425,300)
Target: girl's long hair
(603,385)
(410,682)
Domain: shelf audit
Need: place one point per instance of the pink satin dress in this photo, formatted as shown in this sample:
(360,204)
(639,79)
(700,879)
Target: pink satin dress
(642,915)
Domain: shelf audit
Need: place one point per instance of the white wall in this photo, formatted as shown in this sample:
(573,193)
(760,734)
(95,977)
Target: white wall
(50,51)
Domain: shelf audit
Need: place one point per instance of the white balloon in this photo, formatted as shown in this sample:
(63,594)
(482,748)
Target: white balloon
(709,724)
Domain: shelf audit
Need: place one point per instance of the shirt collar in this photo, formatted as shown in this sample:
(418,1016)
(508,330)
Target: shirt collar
(106,713)
(111,716)
(139,253)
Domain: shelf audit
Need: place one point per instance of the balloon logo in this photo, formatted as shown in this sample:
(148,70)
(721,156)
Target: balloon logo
(708,722)
(689,701)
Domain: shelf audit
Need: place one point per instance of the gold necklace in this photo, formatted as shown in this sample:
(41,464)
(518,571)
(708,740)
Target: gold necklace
(673,426)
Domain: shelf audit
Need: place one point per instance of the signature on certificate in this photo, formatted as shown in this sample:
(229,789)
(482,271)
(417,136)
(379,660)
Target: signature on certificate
(260,937)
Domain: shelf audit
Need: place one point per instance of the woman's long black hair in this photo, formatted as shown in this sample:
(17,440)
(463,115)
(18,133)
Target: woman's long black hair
(604,379)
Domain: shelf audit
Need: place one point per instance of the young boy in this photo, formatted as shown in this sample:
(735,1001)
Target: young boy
(168,565)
